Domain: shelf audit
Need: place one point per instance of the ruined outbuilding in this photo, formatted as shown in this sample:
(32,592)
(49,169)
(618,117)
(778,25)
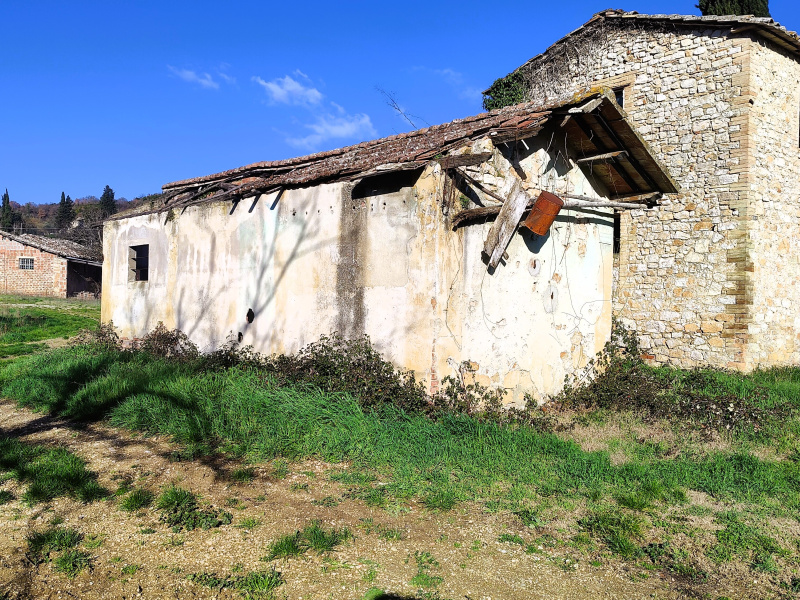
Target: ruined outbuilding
(710,277)
(35,265)
(387,238)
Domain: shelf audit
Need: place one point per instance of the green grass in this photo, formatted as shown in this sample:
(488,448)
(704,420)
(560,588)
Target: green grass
(444,462)
(72,562)
(737,538)
(243,475)
(257,584)
(22,325)
(42,543)
(136,500)
(180,510)
(48,472)
(312,537)
(394,457)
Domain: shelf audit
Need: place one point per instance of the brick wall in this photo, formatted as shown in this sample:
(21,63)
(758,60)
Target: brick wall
(48,277)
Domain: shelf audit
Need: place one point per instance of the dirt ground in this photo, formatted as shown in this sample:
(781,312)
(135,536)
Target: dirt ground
(472,563)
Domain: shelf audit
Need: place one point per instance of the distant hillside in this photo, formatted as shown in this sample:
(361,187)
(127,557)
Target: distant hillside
(41,218)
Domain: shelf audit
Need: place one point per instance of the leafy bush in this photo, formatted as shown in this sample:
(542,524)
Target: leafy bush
(165,343)
(618,379)
(335,364)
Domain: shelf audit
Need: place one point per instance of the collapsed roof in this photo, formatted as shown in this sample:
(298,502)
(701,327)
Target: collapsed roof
(602,139)
(63,248)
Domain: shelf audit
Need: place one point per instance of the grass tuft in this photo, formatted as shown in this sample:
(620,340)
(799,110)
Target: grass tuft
(180,510)
(72,562)
(42,543)
(49,472)
(136,500)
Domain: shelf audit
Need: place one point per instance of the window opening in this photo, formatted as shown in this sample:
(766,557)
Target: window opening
(26,264)
(617,231)
(139,262)
(619,95)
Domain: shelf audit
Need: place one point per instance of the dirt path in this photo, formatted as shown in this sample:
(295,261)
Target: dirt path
(140,557)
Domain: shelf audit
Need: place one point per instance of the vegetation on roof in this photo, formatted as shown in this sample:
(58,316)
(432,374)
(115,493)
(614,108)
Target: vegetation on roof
(506,91)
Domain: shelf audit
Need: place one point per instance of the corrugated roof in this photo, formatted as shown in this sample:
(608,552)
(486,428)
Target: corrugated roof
(63,248)
(764,26)
(417,148)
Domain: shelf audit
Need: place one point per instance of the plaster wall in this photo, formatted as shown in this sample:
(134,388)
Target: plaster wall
(382,262)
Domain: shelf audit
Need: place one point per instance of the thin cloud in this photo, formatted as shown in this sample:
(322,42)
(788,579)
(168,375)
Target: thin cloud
(330,127)
(286,90)
(456,81)
(204,80)
(227,78)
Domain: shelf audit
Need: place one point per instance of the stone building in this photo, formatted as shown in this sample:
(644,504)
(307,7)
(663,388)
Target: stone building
(385,238)
(40,266)
(711,276)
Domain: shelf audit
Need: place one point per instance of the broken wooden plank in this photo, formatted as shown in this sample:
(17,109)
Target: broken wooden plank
(487,213)
(506,224)
(588,107)
(604,157)
(480,186)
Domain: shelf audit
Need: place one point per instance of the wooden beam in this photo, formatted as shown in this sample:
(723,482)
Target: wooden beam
(480,186)
(588,107)
(604,157)
(508,218)
(486,213)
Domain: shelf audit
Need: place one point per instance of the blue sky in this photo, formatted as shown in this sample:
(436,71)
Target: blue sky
(137,94)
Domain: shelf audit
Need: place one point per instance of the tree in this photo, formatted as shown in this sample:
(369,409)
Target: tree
(6,215)
(758,8)
(108,205)
(66,212)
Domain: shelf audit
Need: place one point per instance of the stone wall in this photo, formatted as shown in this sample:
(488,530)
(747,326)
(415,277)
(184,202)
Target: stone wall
(686,268)
(775,208)
(48,277)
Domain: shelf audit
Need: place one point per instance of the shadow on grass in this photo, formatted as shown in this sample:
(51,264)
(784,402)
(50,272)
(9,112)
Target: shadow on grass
(48,472)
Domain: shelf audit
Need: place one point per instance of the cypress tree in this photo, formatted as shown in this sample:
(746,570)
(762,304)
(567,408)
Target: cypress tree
(6,216)
(107,204)
(758,8)
(66,212)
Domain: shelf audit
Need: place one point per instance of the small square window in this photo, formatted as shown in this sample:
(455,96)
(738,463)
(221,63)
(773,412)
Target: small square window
(138,262)
(26,264)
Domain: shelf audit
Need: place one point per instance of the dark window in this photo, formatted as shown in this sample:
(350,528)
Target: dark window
(26,264)
(617,232)
(139,262)
(619,96)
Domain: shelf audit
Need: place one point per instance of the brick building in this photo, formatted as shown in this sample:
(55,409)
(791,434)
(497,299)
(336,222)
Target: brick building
(40,266)
(711,276)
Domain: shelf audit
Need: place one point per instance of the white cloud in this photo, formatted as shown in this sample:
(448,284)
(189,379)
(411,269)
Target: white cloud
(204,80)
(285,90)
(330,127)
(227,78)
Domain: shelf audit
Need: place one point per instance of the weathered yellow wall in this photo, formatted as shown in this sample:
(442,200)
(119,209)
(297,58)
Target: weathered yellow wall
(312,261)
